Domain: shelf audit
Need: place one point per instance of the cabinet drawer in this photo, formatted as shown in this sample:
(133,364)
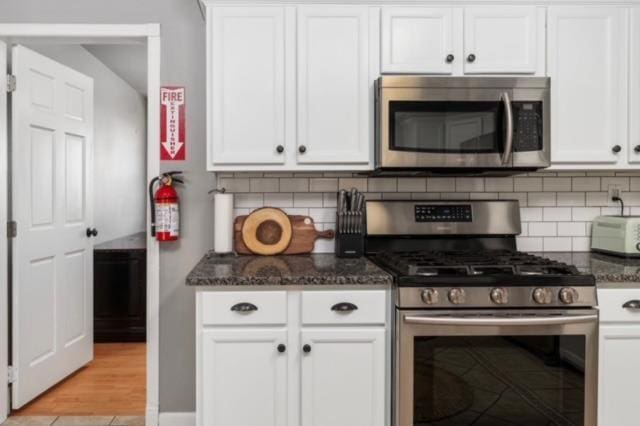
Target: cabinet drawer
(244,307)
(611,301)
(344,307)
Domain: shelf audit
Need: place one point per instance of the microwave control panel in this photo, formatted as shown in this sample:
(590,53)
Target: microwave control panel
(442,213)
(527,129)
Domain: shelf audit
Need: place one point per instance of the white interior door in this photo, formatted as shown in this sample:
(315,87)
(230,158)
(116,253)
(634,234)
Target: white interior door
(52,135)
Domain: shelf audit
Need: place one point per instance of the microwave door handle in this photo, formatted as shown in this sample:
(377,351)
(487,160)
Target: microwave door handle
(497,321)
(508,146)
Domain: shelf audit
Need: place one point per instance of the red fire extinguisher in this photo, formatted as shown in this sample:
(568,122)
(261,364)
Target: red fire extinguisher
(165,207)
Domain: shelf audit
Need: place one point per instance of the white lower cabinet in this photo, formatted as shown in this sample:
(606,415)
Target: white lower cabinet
(619,357)
(258,365)
(244,377)
(343,377)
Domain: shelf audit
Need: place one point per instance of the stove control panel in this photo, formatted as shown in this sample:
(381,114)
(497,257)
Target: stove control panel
(443,213)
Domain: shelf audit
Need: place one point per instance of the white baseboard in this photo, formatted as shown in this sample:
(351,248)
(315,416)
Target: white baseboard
(151,416)
(177,419)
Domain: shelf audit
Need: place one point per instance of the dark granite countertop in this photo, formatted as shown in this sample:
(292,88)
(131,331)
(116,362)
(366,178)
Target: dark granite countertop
(610,271)
(128,243)
(313,269)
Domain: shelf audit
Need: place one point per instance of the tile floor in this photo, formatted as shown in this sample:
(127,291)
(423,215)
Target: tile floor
(74,421)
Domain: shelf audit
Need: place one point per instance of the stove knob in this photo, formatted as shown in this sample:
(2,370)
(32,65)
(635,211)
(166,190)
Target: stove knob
(500,296)
(457,296)
(542,296)
(430,296)
(568,295)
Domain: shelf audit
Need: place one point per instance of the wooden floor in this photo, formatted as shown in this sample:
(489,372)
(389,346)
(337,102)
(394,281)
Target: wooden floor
(113,384)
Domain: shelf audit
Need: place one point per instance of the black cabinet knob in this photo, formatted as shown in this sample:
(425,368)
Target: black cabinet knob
(636,149)
(306,349)
(344,307)
(302,149)
(616,149)
(244,307)
(280,149)
(471,57)
(282,348)
(450,58)
(92,232)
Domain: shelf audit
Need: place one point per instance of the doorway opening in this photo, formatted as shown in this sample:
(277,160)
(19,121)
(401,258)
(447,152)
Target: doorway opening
(80,346)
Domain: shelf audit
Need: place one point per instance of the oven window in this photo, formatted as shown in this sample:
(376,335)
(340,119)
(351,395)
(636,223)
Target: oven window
(446,127)
(527,381)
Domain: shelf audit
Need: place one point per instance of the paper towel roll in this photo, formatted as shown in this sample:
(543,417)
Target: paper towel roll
(223,223)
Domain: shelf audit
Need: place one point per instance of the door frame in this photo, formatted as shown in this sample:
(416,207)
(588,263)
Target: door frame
(87,34)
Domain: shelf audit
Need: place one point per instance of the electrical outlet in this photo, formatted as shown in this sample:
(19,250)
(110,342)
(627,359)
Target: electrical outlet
(613,192)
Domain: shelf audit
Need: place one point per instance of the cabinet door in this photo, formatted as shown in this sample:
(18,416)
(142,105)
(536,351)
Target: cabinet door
(418,40)
(334,87)
(619,375)
(247,98)
(502,39)
(343,375)
(587,61)
(634,89)
(244,378)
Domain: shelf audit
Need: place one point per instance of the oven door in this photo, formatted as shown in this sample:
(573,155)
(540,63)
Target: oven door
(529,368)
(445,128)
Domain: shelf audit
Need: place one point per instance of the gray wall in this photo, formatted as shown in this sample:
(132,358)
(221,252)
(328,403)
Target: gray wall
(183,63)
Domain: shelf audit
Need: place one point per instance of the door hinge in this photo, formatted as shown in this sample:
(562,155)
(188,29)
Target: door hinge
(12,229)
(12,375)
(12,83)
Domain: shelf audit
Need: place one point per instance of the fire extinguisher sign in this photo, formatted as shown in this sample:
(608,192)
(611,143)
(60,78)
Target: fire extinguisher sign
(173,142)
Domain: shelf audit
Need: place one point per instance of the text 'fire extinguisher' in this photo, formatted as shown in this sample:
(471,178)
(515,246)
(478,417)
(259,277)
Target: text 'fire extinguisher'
(165,207)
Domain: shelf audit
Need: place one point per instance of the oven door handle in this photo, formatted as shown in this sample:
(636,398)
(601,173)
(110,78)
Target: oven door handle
(508,145)
(497,321)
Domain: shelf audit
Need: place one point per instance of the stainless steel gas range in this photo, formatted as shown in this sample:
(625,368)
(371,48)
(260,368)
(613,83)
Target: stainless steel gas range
(483,334)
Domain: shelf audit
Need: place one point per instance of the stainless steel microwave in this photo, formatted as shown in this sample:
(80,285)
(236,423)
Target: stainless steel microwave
(465,125)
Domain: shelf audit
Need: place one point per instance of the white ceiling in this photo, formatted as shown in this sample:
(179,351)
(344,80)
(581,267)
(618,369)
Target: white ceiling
(128,61)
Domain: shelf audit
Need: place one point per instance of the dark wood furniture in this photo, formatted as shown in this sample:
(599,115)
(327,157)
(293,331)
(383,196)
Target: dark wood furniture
(119,290)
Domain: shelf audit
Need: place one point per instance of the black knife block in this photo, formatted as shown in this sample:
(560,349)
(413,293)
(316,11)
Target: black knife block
(349,245)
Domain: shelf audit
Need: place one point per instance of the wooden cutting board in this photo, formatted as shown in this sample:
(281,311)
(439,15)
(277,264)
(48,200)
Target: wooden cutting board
(303,240)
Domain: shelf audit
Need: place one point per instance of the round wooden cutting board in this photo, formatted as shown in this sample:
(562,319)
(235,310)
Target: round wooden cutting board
(267,231)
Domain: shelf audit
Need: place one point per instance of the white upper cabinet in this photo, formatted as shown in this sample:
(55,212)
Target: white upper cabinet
(588,66)
(503,40)
(247,77)
(335,91)
(418,40)
(634,88)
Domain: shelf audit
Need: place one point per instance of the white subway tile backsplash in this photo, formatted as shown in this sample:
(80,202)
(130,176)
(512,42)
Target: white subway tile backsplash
(541,199)
(358,183)
(323,185)
(556,214)
(441,185)
(531,214)
(498,184)
(556,243)
(541,229)
(469,184)
(311,199)
(278,199)
(584,214)
(412,185)
(556,184)
(383,185)
(294,184)
(585,184)
(556,208)
(264,185)
(527,184)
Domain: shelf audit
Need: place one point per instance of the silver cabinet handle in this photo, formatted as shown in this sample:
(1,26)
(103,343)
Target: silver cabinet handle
(497,321)
(632,304)
(508,146)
